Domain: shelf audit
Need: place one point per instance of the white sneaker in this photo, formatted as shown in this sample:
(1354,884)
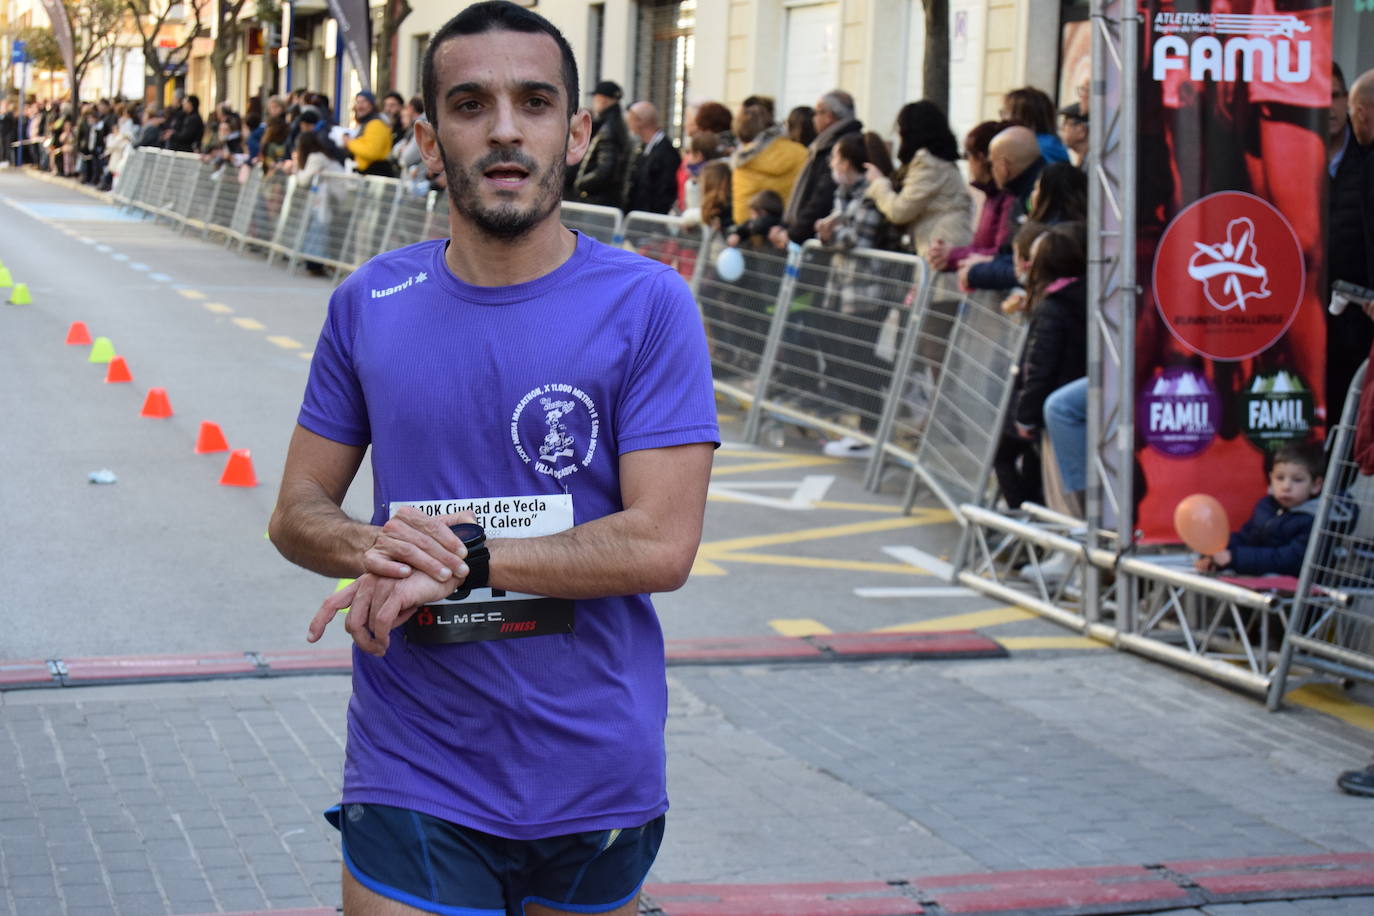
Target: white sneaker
(1053,570)
(847,447)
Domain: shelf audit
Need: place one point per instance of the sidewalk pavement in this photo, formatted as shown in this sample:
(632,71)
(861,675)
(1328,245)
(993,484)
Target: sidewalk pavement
(190,798)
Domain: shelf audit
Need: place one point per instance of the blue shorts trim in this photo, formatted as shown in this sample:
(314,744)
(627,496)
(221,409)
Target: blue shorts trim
(437,866)
(420,903)
(583,907)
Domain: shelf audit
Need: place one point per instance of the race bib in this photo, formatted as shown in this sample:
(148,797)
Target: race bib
(487,613)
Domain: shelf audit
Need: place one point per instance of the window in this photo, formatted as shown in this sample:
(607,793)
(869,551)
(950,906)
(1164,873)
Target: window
(419,44)
(596,39)
(663,65)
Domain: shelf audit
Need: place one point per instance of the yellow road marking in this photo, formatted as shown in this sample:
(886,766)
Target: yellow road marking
(307,354)
(799,626)
(769,559)
(219,308)
(191,293)
(704,567)
(249,324)
(714,548)
(286,343)
(970,621)
(730,452)
(1022,643)
(857,507)
(1330,699)
(778,464)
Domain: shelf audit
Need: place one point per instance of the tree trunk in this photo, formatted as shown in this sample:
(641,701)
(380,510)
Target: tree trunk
(219,61)
(935,66)
(393,14)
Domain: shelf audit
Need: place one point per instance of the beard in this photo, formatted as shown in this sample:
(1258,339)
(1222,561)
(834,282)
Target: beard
(505,222)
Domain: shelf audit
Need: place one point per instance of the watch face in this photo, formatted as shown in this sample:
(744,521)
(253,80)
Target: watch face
(469,533)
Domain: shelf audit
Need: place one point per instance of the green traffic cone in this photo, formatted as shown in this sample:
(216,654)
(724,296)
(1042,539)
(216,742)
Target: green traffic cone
(5,278)
(102,351)
(20,294)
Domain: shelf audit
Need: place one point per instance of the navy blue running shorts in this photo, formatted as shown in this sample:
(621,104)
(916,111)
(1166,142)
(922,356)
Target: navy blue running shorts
(440,867)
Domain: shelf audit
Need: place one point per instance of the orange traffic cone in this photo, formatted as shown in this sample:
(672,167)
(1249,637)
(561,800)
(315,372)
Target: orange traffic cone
(211,439)
(118,371)
(238,472)
(156,404)
(78,335)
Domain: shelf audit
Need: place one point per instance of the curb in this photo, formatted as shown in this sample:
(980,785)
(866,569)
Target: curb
(1095,891)
(25,674)
(1092,891)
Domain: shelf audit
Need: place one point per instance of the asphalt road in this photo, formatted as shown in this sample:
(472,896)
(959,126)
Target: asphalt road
(167,560)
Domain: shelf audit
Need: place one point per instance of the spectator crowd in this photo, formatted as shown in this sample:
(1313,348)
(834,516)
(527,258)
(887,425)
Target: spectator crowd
(90,143)
(1011,220)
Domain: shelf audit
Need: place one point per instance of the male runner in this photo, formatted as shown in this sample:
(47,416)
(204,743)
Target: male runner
(505,752)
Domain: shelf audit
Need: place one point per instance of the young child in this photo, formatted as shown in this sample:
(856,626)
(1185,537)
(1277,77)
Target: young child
(1056,353)
(765,212)
(1274,540)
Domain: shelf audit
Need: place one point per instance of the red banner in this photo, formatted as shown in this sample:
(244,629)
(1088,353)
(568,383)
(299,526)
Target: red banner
(1230,339)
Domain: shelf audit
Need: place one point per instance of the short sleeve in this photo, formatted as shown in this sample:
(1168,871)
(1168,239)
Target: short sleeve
(668,398)
(334,406)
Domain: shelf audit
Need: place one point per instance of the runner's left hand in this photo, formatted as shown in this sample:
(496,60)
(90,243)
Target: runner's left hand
(377,605)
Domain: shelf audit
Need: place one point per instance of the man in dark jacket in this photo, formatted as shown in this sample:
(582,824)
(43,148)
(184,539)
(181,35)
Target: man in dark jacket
(651,179)
(1016,163)
(1348,335)
(601,178)
(186,134)
(813,197)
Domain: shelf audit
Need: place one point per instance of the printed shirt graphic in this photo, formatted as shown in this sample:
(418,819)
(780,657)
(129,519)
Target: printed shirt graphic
(531,390)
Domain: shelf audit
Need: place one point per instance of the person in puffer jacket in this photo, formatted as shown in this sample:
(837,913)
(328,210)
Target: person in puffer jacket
(1274,540)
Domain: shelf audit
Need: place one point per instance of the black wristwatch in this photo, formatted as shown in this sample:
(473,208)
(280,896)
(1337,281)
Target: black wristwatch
(478,559)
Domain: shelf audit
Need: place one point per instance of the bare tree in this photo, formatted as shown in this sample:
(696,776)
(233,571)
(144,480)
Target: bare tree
(228,36)
(151,17)
(95,26)
(393,14)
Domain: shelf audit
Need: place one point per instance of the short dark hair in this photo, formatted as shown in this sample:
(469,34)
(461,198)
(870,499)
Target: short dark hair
(393,94)
(194,100)
(714,117)
(1307,455)
(853,148)
(495,16)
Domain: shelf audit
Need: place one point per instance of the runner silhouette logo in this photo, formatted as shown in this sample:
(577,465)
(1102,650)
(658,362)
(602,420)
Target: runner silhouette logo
(1230,271)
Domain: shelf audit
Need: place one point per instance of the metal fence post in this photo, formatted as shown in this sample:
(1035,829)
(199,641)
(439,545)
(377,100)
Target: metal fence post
(781,306)
(925,286)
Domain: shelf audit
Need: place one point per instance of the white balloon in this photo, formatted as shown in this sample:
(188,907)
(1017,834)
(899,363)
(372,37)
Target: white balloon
(730,265)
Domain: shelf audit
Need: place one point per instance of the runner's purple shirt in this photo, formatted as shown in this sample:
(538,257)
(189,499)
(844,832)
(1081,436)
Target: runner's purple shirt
(546,735)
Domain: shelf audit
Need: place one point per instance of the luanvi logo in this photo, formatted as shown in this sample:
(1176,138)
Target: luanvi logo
(405,284)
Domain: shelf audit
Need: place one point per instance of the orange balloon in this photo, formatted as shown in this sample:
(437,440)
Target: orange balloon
(1201,523)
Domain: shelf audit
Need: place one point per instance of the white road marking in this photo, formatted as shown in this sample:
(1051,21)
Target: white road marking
(933,565)
(804,496)
(936,591)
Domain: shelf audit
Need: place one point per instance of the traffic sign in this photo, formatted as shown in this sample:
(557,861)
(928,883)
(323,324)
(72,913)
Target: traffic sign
(19,52)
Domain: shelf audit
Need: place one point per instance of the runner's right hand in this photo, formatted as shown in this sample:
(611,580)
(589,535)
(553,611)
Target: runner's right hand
(412,540)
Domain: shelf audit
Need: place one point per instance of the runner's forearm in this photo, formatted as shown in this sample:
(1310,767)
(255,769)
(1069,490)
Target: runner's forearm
(310,530)
(626,553)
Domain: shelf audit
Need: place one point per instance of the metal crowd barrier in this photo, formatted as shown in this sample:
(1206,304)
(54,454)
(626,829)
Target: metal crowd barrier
(1246,632)
(861,343)
(1333,619)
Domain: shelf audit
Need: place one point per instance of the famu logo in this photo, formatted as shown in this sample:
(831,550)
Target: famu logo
(1276,407)
(1263,48)
(1179,412)
(555,428)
